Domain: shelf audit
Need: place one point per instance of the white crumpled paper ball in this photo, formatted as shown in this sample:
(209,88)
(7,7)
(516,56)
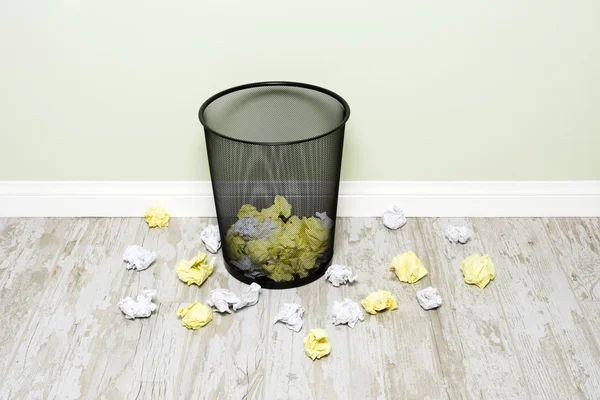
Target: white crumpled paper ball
(211,238)
(394,218)
(457,234)
(429,298)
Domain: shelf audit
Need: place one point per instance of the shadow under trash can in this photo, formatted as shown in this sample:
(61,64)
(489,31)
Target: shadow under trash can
(275,153)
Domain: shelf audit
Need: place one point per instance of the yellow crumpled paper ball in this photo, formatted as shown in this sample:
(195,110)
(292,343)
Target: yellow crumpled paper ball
(195,270)
(378,301)
(157,216)
(478,270)
(258,251)
(280,207)
(303,262)
(236,245)
(248,210)
(195,316)
(279,271)
(284,241)
(316,344)
(314,234)
(408,267)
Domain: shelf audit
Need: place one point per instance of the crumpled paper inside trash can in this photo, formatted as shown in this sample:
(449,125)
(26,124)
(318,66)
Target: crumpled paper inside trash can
(325,220)
(251,228)
(280,245)
(248,268)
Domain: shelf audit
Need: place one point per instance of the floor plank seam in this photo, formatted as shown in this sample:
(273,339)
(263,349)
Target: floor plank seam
(555,253)
(437,315)
(53,264)
(504,314)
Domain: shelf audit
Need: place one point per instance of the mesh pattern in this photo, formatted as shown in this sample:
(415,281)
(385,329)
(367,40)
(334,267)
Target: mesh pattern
(274,114)
(274,152)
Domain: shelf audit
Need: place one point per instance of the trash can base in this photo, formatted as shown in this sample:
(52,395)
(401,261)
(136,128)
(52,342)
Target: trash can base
(267,283)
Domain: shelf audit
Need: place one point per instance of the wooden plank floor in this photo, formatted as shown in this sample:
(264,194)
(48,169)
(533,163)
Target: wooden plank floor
(533,333)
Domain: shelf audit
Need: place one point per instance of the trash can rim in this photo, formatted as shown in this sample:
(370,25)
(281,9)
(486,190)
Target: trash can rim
(274,83)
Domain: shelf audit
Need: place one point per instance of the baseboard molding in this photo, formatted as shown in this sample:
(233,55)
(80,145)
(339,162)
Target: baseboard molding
(357,199)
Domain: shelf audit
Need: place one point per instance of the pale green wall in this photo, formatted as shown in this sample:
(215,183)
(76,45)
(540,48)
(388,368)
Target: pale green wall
(439,90)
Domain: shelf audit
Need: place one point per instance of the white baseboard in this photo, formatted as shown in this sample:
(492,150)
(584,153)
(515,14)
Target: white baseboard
(357,199)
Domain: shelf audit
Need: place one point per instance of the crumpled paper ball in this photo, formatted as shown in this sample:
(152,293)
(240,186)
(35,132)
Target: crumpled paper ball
(315,234)
(394,218)
(196,270)
(258,251)
(379,301)
(220,300)
(291,315)
(249,298)
(211,238)
(142,307)
(236,246)
(251,228)
(429,298)
(157,217)
(248,268)
(279,272)
(408,267)
(339,275)
(195,316)
(478,270)
(138,258)
(324,219)
(281,207)
(316,344)
(457,234)
(346,312)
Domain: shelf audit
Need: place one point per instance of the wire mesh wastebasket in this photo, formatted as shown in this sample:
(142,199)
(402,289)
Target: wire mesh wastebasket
(275,153)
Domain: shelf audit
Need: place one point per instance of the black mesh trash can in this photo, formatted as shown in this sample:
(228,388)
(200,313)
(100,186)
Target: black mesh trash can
(275,153)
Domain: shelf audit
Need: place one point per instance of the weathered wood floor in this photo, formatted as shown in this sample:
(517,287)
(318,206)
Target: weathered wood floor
(533,333)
